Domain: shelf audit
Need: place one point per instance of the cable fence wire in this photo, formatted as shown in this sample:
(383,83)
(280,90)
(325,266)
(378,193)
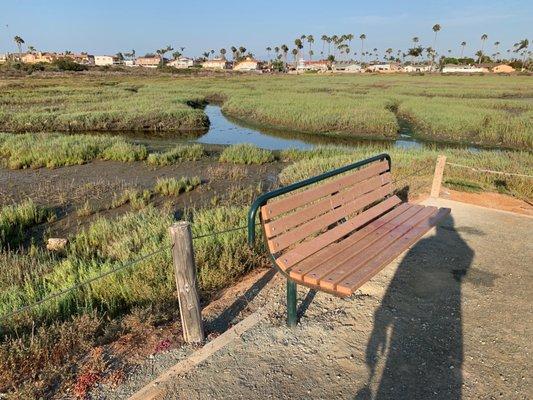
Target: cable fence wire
(109,272)
(488,170)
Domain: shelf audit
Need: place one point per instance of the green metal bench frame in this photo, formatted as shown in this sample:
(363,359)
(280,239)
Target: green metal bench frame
(263,199)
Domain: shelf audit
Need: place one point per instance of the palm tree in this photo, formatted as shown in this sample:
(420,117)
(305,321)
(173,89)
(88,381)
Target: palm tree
(32,49)
(295,55)
(310,41)
(324,39)
(206,55)
(223,53)
(362,37)
(484,38)
(330,39)
(276,50)
(299,45)
(175,55)
(436,28)
(233,52)
(479,55)
(19,41)
(162,52)
(133,54)
(242,50)
(269,49)
(463,45)
(285,50)
(389,51)
(522,45)
(496,44)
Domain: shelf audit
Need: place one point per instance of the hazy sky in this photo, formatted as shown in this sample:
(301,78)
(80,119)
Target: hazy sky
(108,26)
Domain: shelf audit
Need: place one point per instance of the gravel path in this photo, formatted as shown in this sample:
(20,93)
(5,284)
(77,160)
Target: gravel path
(449,319)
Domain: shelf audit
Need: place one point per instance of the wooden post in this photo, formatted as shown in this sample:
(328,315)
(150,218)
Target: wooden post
(437,178)
(185,272)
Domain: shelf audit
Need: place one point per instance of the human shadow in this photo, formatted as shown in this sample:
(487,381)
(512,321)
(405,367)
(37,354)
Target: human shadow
(415,350)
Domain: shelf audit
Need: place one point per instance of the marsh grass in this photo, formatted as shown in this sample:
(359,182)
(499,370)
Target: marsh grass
(173,186)
(179,153)
(137,198)
(36,150)
(16,219)
(407,161)
(246,154)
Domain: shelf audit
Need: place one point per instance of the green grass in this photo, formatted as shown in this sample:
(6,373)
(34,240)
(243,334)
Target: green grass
(179,153)
(173,186)
(487,110)
(246,154)
(52,150)
(407,162)
(16,219)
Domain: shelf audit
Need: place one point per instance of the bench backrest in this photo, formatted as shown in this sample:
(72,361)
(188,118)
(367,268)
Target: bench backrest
(301,223)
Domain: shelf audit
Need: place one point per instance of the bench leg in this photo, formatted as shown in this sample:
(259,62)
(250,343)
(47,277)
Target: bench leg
(291,303)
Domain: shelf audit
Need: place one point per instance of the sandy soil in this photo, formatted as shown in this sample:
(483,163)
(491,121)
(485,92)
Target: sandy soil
(449,319)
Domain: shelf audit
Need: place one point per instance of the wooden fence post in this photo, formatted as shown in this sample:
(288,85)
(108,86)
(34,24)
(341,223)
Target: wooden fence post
(437,177)
(185,272)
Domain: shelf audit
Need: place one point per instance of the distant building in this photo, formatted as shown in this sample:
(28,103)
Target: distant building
(216,63)
(247,65)
(107,60)
(37,57)
(347,67)
(181,63)
(463,69)
(503,69)
(148,61)
(383,68)
(416,68)
(3,58)
(129,63)
(309,65)
(80,58)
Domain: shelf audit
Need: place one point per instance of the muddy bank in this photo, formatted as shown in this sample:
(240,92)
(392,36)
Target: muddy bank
(67,189)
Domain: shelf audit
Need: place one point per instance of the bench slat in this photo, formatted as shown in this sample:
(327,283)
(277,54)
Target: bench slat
(299,233)
(304,250)
(361,246)
(324,255)
(352,282)
(348,267)
(273,209)
(286,222)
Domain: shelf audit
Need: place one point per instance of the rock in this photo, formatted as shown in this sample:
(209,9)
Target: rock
(56,244)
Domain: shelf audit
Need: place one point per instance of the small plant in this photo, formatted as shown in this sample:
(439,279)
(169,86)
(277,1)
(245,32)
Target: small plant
(246,154)
(85,210)
(173,186)
(179,153)
(125,152)
(15,219)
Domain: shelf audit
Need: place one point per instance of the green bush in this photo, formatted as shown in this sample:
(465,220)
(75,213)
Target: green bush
(179,153)
(15,219)
(173,186)
(65,64)
(246,154)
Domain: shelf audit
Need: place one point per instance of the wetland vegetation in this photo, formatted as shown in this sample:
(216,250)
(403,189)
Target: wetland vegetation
(113,196)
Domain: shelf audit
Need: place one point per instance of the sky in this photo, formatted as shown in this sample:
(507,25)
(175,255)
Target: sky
(106,27)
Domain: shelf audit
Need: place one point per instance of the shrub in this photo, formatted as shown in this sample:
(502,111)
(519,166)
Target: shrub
(179,153)
(246,154)
(15,219)
(125,152)
(173,186)
(65,64)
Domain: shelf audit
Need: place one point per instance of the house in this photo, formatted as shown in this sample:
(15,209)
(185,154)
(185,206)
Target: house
(320,65)
(347,67)
(417,68)
(383,68)
(463,69)
(107,60)
(3,58)
(80,58)
(148,61)
(38,57)
(503,69)
(249,64)
(129,63)
(181,63)
(216,63)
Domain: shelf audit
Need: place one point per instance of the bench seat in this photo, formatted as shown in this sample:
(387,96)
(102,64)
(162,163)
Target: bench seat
(336,234)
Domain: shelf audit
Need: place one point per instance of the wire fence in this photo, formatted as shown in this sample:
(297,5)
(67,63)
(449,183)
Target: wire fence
(110,272)
(489,171)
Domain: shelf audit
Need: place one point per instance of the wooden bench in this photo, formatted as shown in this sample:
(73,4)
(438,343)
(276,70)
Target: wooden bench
(336,235)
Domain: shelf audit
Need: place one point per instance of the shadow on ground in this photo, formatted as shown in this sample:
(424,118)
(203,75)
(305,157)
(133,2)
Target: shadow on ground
(415,349)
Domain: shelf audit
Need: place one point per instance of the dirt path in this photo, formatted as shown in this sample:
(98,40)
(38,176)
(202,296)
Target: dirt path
(449,319)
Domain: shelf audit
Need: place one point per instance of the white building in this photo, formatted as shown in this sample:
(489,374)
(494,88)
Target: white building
(106,60)
(347,67)
(383,68)
(129,63)
(216,63)
(3,58)
(308,65)
(463,69)
(182,63)
(417,68)
(247,65)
